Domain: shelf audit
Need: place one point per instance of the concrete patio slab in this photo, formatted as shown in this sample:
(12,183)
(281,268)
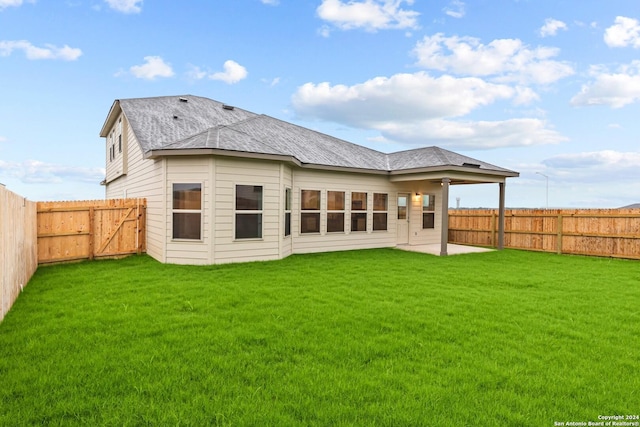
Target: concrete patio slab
(451,249)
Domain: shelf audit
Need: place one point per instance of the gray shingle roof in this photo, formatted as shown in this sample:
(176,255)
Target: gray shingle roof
(193,122)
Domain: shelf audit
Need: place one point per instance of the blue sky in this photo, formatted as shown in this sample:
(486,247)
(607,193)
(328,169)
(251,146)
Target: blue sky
(550,89)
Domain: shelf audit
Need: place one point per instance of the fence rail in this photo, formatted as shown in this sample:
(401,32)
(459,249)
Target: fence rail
(91,229)
(596,232)
(18,246)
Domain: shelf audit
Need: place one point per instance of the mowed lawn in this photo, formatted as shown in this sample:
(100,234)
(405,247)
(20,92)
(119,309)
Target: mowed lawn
(363,338)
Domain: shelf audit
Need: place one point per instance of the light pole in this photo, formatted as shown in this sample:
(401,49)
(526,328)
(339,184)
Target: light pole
(547,178)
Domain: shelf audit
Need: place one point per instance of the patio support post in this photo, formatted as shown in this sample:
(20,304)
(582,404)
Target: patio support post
(444,236)
(501,218)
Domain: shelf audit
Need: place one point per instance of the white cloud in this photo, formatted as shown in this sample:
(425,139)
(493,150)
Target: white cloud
(324,31)
(606,158)
(37,172)
(551,27)
(525,95)
(615,89)
(271,82)
(3,139)
(196,73)
(233,73)
(474,135)
(506,60)
(370,15)
(592,166)
(7,3)
(456,9)
(625,32)
(401,97)
(418,109)
(32,52)
(271,2)
(125,6)
(153,67)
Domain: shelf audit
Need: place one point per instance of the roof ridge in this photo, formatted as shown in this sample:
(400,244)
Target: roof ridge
(323,134)
(442,156)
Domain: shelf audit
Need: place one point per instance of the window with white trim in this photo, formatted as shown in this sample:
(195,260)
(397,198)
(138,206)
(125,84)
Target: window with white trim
(380,210)
(309,211)
(428,211)
(358,211)
(335,211)
(248,216)
(187,211)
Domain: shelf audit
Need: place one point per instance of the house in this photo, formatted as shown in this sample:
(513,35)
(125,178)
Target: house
(227,185)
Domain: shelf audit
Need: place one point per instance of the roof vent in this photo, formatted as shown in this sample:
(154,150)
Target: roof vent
(175,117)
(183,99)
(471,165)
(228,107)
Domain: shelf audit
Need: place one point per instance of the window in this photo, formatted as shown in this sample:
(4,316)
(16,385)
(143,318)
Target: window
(335,211)
(310,215)
(402,207)
(379,211)
(112,152)
(248,211)
(428,210)
(120,135)
(187,211)
(358,211)
(287,212)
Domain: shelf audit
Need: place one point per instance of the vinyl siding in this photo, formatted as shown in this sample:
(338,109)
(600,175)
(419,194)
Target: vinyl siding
(370,184)
(116,159)
(347,240)
(286,242)
(182,170)
(144,178)
(229,173)
(153,179)
(418,235)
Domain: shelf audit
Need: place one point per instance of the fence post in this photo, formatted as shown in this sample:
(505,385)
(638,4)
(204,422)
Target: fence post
(493,228)
(559,238)
(91,233)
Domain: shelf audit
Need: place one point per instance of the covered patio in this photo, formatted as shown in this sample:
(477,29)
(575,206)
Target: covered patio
(459,172)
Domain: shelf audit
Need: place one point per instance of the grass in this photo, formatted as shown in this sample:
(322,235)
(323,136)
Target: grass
(379,337)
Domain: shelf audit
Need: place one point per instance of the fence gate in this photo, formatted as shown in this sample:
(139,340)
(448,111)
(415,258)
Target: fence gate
(90,229)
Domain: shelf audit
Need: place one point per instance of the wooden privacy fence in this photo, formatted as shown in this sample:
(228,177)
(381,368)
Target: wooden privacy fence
(90,229)
(18,252)
(597,232)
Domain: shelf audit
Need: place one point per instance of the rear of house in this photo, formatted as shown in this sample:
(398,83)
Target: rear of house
(226,185)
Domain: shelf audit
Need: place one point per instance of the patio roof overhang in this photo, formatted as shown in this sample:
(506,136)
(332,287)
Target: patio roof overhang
(457,175)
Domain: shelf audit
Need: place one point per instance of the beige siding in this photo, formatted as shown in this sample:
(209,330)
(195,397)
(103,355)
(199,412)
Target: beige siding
(418,235)
(144,178)
(219,176)
(335,181)
(116,150)
(286,242)
(189,170)
(347,182)
(229,173)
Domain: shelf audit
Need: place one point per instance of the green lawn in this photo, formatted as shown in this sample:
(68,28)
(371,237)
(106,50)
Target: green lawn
(364,338)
